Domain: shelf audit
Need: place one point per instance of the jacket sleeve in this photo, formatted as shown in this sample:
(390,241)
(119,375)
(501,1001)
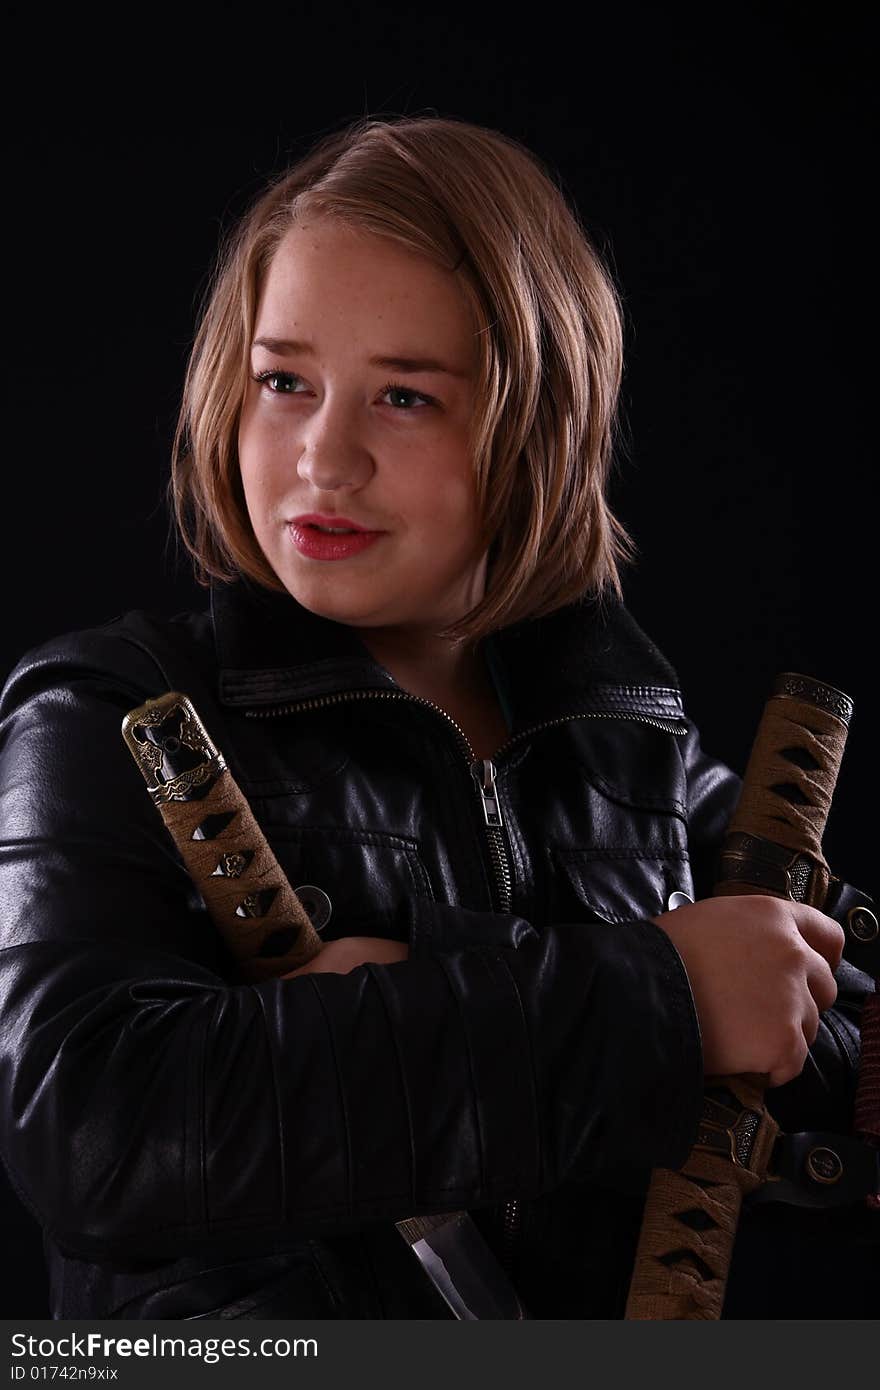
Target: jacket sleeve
(822,1096)
(151,1106)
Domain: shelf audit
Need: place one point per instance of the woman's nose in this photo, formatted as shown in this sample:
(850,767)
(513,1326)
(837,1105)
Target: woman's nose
(332,458)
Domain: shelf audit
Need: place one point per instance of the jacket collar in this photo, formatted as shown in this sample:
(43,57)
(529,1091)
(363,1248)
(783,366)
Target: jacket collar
(588,655)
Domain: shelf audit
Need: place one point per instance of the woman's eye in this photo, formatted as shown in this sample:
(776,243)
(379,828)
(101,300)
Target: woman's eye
(392,388)
(283,384)
(286,380)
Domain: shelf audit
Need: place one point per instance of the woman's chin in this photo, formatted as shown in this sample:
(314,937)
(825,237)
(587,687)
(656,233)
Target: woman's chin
(348,609)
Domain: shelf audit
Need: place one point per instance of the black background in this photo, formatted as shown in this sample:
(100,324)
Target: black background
(719,156)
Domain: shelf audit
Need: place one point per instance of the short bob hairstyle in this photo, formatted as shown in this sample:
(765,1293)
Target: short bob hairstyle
(478,203)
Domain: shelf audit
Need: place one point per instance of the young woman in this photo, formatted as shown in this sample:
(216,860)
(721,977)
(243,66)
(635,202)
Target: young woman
(390,470)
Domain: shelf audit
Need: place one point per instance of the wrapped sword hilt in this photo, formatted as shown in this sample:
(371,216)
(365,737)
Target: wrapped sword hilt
(773,846)
(774,841)
(261,920)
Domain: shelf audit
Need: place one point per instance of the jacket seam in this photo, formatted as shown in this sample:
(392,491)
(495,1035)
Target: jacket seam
(276,1096)
(404,1085)
(660,948)
(147,651)
(540,1156)
(564,852)
(330,1212)
(344,835)
(348,1208)
(666,805)
(185,1282)
(478,1125)
(251,675)
(849,1052)
(201,1128)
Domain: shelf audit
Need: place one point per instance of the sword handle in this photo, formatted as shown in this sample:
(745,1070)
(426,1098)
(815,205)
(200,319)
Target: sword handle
(260,918)
(773,846)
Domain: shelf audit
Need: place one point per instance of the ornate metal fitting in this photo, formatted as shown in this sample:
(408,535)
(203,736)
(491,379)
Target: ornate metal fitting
(172,748)
(827,697)
(824,1165)
(753,860)
(257,904)
(727,1128)
(862,924)
(233,865)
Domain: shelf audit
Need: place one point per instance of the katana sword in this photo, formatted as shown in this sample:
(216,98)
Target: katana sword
(268,933)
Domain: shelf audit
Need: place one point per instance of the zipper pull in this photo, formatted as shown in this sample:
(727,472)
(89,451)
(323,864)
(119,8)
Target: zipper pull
(484,775)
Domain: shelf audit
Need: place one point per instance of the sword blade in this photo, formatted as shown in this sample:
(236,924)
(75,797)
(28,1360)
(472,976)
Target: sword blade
(460,1265)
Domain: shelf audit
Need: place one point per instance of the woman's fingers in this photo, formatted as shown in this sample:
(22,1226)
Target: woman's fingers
(348,952)
(822,984)
(761,972)
(822,933)
(794,1056)
(810,1021)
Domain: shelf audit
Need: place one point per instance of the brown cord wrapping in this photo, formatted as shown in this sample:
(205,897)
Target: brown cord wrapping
(783,801)
(260,919)
(239,886)
(688,1229)
(691,1216)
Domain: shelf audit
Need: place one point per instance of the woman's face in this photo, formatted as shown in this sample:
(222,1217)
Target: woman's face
(322,433)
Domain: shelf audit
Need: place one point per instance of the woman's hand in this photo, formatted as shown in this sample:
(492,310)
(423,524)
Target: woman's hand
(760,970)
(342,955)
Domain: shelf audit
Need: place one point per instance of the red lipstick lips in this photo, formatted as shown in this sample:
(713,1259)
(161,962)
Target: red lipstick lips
(338,522)
(347,538)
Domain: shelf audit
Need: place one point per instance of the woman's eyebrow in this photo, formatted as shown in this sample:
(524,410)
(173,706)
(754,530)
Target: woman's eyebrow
(402,364)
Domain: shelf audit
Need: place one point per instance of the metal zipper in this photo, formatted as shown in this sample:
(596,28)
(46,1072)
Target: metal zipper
(484,772)
(669,726)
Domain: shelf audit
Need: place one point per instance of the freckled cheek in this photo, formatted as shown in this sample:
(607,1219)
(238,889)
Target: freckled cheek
(263,431)
(459,503)
(264,462)
(434,489)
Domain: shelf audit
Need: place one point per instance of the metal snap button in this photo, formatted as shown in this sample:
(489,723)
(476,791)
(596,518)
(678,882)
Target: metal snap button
(824,1165)
(317,905)
(677,899)
(863,924)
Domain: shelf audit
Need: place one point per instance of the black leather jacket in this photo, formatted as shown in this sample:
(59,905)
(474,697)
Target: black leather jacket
(196,1147)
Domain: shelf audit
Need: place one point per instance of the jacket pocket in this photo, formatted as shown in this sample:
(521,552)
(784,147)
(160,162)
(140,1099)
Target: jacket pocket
(616,885)
(368,883)
(289,1285)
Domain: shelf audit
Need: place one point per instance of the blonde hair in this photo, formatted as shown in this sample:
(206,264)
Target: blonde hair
(478,203)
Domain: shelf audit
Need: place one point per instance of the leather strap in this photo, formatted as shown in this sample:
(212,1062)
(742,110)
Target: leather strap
(817,1168)
(857,914)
